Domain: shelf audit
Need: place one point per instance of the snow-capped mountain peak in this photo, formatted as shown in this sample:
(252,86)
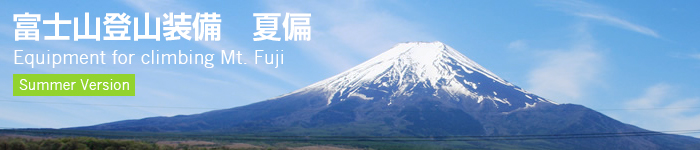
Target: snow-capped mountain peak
(430,67)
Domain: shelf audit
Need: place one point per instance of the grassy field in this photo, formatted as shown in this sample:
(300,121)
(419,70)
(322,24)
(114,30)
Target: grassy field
(40,139)
(80,139)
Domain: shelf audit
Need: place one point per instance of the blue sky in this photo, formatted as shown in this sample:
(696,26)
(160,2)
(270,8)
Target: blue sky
(601,54)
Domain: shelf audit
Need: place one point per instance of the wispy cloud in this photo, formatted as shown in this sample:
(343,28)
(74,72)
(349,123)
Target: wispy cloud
(158,7)
(218,46)
(696,56)
(621,23)
(518,45)
(351,31)
(565,74)
(651,98)
(599,13)
(670,113)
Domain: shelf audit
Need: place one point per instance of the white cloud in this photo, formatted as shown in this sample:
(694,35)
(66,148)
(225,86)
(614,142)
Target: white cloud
(598,13)
(518,45)
(564,75)
(669,113)
(620,23)
(696,56)
(277,74)
(347,32)
(651,98)
(158,7)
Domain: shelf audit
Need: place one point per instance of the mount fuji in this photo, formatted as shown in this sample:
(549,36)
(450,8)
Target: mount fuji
(421,89)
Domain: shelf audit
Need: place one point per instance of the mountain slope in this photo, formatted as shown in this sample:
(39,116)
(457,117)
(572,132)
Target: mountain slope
(415,89)
(432,68)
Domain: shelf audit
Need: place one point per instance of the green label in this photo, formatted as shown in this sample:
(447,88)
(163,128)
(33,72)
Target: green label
(73,85)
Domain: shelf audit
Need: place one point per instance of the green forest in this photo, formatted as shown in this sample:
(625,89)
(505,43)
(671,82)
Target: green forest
(89,143)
